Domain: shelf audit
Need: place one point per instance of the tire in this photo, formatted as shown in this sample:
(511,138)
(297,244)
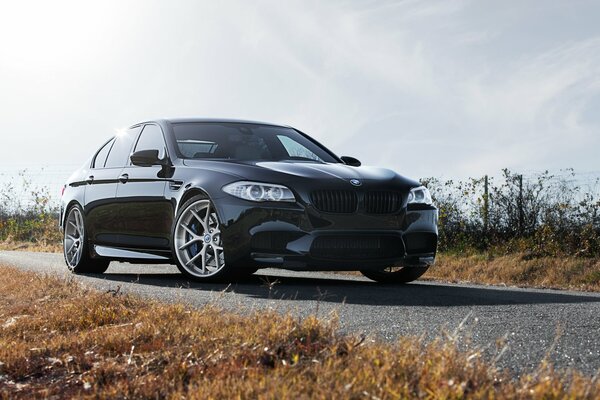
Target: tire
(75,246)
(400,275)
(197,244)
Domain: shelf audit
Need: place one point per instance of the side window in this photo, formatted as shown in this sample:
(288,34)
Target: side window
(296,150)
(151,139)
(100,158)
(121,149)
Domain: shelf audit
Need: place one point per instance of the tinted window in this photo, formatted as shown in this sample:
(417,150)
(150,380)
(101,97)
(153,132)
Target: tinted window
(119,154)
(197,148)
(295,150)
(151,139)
(240,141)
(100,158)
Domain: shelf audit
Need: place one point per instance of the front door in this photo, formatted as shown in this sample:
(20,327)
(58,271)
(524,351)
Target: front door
(146,214)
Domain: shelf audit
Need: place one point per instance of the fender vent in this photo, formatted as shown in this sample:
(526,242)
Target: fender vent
(175,185)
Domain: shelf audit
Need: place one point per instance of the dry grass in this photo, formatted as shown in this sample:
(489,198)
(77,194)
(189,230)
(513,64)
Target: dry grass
(519,269)
(59,339)
(40,246)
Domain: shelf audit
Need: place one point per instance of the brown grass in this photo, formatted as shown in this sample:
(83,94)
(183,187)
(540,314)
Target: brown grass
(59,339)
(41,246)
(519,269)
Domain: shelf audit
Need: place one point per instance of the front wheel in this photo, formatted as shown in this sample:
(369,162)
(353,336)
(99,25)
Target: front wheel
(395,274)
(75,247)
(197,243)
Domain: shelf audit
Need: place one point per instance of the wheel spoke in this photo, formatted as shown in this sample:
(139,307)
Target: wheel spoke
(73,258)
(204,262)
(77,255)
(78,222)
(183,246)
(195,214)
(217,258)
(198,255)
(71,248)
(207,218)
(188,230)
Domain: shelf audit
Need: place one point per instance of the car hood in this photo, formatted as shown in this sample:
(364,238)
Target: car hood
(284,171)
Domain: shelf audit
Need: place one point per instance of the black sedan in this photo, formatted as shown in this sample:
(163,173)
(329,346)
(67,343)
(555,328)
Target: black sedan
(223,198)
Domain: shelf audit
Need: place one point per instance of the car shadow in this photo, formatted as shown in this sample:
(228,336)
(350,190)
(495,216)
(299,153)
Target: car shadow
(343,290)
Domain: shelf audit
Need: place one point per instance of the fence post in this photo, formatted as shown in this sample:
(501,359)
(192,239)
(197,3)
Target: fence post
(520,201)
(486,206)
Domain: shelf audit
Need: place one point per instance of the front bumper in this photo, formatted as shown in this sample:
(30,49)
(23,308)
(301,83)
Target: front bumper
(295,236)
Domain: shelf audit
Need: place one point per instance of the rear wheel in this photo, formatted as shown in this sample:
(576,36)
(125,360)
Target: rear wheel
(75,247)
(197,243)
(395,274)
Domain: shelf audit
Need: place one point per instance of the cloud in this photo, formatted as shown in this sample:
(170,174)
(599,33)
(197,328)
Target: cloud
(427,88)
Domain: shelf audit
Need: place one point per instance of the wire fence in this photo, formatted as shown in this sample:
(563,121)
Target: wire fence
(542,212)
(20,185)
(53,177)
(547,211)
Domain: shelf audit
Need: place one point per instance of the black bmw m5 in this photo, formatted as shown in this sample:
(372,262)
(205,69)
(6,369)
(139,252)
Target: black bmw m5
(223,198)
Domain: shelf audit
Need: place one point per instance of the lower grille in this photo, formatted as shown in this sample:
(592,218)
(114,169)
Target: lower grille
(273,242)
(382,202)
(357,247)
(335,201)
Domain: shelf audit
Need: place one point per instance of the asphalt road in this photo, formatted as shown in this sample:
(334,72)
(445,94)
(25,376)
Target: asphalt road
(565,326)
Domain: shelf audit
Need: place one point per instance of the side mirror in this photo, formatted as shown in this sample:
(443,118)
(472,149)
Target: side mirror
(146,158)
(351,161)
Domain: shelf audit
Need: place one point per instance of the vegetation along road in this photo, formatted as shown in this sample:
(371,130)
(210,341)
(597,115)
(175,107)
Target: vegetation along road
(518,326)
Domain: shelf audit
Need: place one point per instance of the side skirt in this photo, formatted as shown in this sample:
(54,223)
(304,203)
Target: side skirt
(130,255)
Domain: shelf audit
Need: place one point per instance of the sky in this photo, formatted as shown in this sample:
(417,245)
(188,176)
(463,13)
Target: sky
(427,88)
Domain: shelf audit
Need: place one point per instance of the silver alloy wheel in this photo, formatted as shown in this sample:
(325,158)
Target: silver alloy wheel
(197,240)
(74,237)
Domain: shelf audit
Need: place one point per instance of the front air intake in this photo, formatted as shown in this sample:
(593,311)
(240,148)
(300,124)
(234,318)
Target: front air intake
(352,247)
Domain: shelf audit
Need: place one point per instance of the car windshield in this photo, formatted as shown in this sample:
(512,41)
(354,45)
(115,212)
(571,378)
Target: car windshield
(246,142)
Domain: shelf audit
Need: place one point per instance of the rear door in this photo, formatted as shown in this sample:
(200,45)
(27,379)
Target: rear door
(147,215)
(102,211)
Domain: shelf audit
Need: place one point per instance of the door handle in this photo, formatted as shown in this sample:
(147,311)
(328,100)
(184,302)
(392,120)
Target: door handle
(89,179)
(124,178)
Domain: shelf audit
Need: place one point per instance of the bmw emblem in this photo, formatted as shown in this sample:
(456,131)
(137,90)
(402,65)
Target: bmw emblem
(355,182)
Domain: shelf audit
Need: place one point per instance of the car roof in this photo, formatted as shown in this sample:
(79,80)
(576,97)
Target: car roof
(223,120)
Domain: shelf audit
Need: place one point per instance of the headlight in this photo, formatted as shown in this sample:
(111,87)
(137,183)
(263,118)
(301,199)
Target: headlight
(419,195)
(255,191)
